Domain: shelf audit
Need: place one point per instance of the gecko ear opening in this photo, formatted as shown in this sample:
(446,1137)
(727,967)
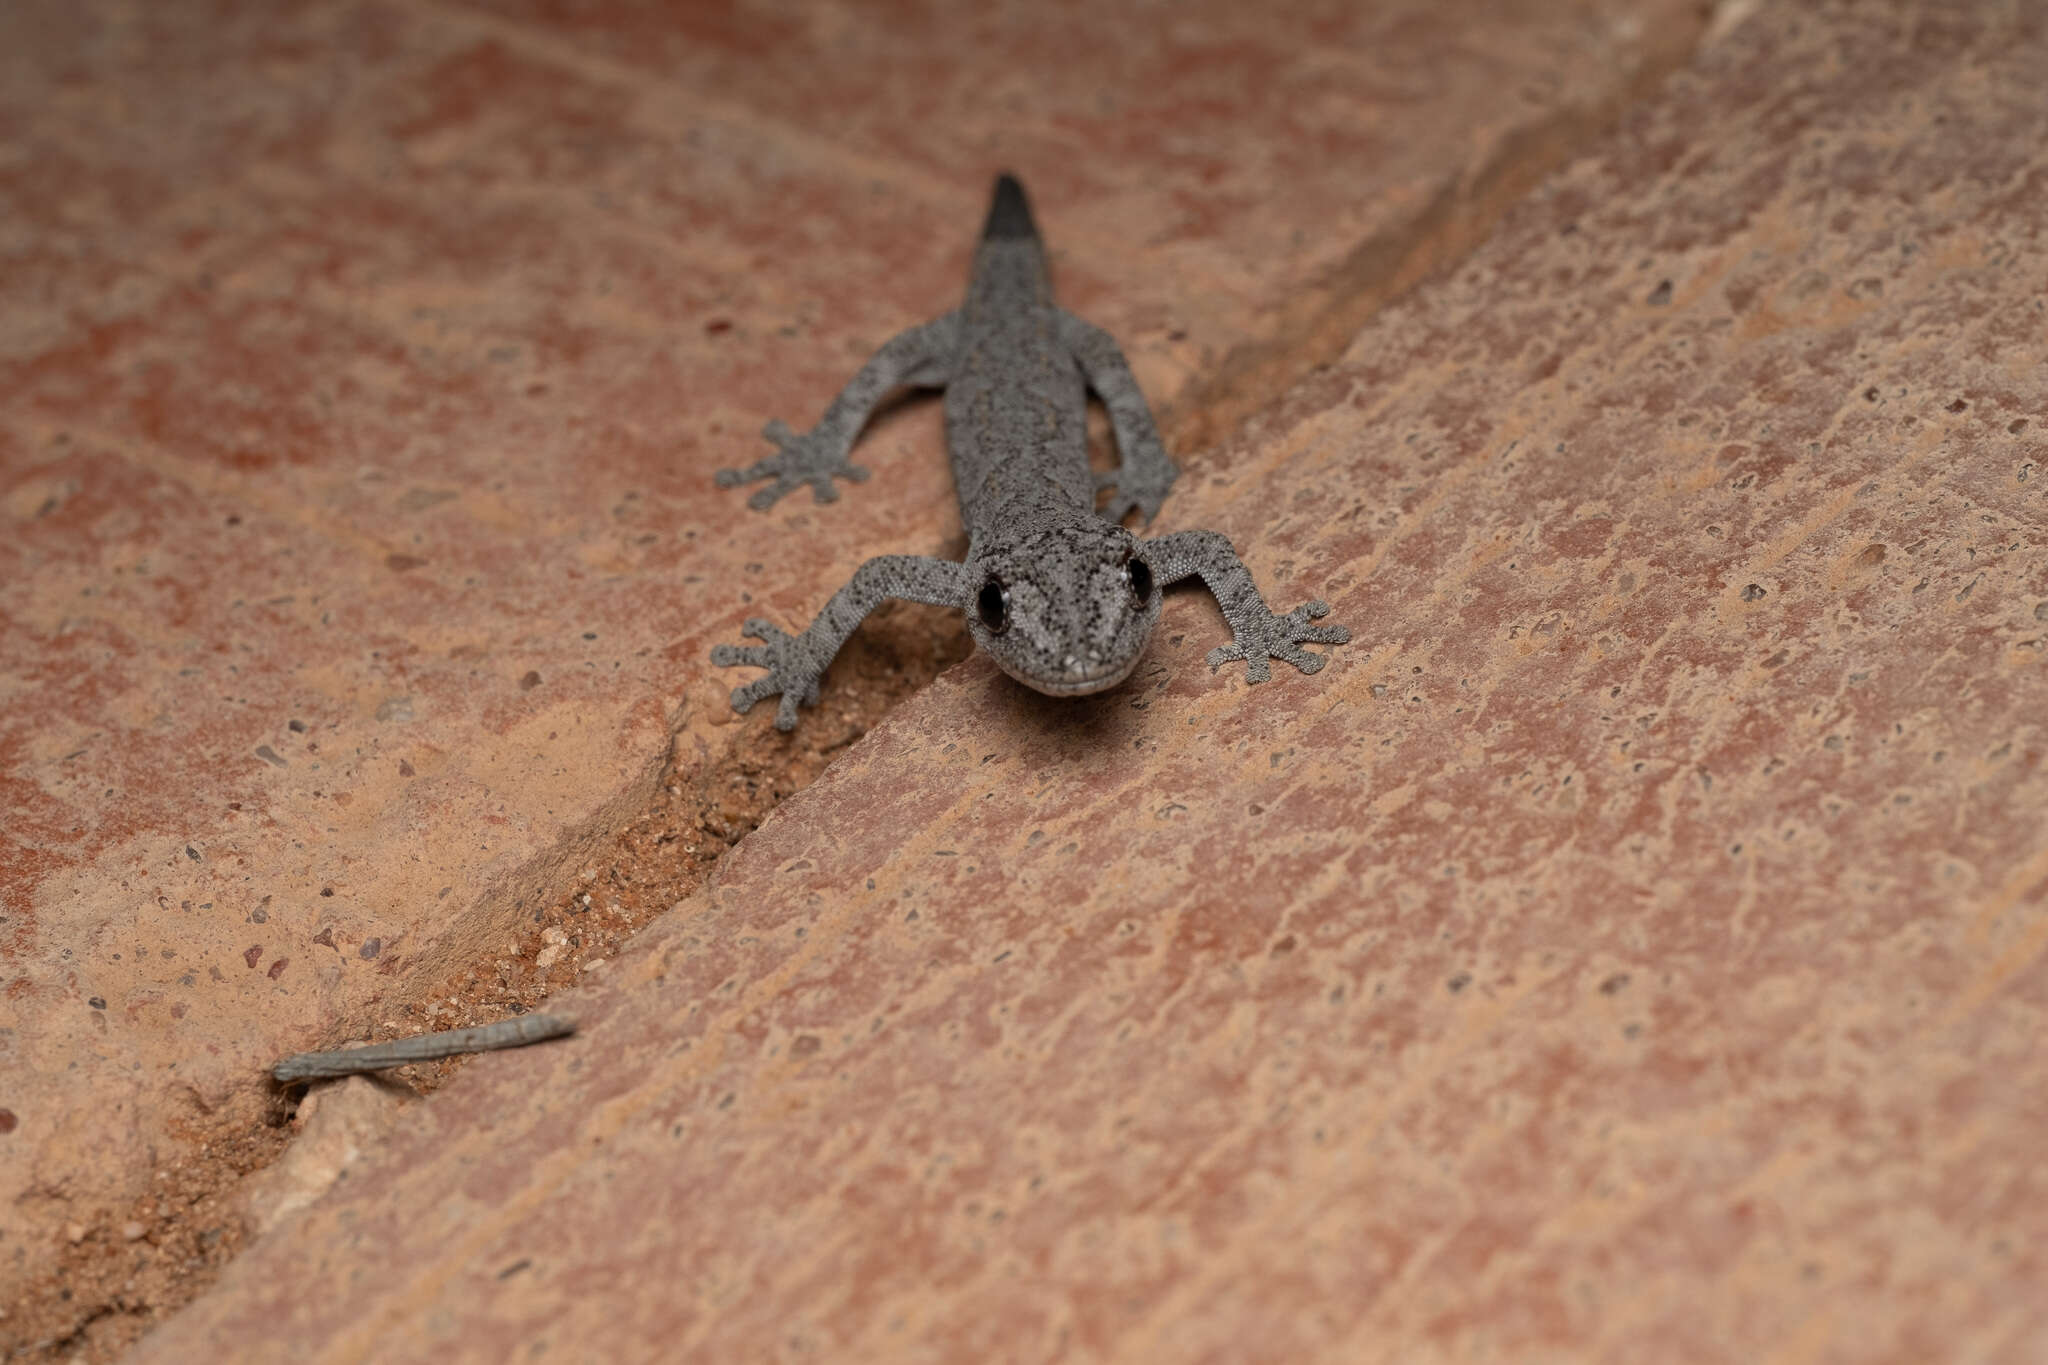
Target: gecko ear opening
(993,605)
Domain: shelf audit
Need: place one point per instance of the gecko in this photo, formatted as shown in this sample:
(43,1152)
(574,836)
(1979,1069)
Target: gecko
(1056,590)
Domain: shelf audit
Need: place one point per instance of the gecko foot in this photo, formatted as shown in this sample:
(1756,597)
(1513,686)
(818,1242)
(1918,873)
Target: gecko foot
(807,459)
(1266,636)
(791,671)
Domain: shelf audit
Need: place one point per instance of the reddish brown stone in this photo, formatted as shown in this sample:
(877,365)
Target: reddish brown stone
(365,365)
(1627,949)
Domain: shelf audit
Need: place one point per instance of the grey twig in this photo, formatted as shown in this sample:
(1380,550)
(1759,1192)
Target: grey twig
(527,1028)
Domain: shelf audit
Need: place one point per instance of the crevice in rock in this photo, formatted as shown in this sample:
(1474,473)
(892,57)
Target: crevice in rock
(123,1268)
(1313,327)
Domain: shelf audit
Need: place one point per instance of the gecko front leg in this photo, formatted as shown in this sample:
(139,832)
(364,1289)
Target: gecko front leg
(920,357)
(1257,634)
(795,663)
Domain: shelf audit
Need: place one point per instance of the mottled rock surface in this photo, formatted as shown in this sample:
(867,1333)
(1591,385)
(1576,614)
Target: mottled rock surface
(363,368)
(1628,948)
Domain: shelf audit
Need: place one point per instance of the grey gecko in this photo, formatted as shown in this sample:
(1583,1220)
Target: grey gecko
(1061,595)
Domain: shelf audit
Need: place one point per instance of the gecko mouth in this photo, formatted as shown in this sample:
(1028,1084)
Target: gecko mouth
(1078,684)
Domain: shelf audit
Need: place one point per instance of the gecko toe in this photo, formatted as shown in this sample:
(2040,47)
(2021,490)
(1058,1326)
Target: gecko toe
(741,656)
(759,689)
(753,473)
(785,714)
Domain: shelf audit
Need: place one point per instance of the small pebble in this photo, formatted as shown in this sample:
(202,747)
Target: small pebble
(133,1231)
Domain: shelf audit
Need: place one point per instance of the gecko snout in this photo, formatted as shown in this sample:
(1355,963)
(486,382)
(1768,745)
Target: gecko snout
(1083,669)
(1077,675)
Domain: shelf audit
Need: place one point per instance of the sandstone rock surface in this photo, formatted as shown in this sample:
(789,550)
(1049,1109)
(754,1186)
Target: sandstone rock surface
(1628,947)
(364,367)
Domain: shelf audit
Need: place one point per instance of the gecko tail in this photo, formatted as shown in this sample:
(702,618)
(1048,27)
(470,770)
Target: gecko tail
(1009,214)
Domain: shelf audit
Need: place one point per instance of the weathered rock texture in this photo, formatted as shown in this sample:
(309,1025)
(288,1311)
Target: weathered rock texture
(363,368)
(1628,948)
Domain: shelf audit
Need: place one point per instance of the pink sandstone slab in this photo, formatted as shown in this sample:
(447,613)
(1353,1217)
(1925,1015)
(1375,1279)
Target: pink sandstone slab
(363,369)
(1628,948)
(1238,185)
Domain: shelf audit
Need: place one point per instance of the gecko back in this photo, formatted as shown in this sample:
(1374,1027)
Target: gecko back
(1016,402)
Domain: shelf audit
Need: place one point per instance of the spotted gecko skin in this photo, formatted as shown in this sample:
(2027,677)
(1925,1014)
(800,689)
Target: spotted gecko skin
(1057,591)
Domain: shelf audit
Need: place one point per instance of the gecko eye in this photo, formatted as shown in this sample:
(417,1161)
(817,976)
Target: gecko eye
(993,602)
(1138,578)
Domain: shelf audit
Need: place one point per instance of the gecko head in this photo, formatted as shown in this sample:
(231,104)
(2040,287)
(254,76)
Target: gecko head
(1067,610)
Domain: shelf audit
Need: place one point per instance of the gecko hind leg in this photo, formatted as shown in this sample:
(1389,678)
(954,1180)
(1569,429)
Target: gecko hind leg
(810,458)
(920,358)
(1135,490)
